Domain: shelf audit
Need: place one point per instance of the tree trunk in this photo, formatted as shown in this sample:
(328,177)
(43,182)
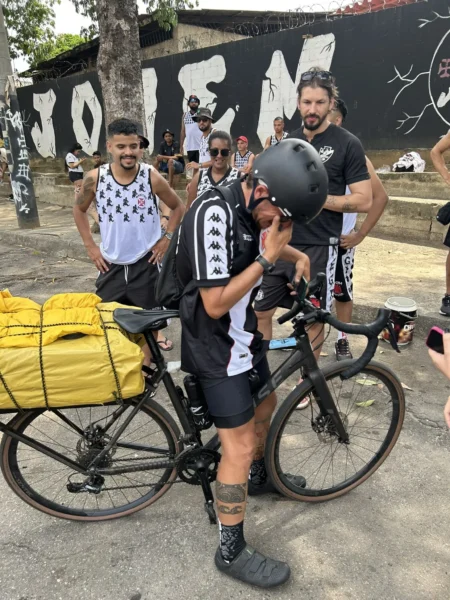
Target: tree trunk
(119,60)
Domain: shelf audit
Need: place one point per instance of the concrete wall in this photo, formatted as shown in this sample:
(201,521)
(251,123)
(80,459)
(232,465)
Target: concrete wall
(187,38)
(391,68)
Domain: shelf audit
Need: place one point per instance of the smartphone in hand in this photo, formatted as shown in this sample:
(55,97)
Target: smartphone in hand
(435,340)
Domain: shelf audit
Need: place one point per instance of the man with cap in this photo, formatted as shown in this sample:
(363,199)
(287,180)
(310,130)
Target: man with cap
(243,158)
(205,121)
(190,131)
(132,244)
(169,160)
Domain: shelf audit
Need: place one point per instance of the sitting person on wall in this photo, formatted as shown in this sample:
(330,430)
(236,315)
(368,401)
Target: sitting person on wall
(169,160)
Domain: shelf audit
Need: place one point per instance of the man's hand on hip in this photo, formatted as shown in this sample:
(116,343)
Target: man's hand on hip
(96,256)
(159,249)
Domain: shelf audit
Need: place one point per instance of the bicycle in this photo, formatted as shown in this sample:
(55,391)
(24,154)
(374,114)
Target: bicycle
(98,465)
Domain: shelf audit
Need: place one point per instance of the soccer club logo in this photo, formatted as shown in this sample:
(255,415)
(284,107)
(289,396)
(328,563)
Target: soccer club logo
(326,153)
(141,202)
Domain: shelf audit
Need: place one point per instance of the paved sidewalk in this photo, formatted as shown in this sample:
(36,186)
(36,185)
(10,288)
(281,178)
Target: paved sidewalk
(383,268)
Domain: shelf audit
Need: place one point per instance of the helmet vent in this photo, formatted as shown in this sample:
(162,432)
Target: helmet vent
(311,166)
(314,188)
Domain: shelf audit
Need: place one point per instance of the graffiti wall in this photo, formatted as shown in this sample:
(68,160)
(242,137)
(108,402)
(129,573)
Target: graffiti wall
(392,69)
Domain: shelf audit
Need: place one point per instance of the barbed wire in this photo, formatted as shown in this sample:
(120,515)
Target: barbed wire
(217,30)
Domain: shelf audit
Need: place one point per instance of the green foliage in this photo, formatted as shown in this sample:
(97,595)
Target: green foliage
(61,43)
(164,11)
(28,23)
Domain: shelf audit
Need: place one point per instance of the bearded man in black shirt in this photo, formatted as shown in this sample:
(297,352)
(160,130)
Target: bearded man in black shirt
(343,157)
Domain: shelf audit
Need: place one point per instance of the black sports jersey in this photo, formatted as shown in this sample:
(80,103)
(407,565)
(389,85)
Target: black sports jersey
(344,159)
(218,241)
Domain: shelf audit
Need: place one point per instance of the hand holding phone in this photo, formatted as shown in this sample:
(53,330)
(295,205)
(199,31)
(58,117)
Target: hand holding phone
(435,339)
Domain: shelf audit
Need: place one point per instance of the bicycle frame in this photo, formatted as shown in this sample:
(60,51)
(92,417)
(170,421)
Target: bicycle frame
(302,356)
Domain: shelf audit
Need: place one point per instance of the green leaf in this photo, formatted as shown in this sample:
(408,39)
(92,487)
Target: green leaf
(366,382)
(365,404)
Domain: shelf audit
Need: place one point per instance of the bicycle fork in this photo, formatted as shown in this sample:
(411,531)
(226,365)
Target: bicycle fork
(324,398)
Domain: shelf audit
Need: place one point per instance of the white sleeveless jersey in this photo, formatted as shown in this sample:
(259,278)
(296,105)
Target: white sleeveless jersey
(206,182)
(274,141)
(241,161)
(128,216)
(193,133)
(349,220)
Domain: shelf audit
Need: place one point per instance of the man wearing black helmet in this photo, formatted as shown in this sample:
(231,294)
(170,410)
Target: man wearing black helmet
(343,157)
(221,259)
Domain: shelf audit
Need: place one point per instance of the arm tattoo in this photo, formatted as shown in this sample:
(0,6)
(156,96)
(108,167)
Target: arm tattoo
(85,195)
(226,510)
(331,201)
(349,207)
(231,493)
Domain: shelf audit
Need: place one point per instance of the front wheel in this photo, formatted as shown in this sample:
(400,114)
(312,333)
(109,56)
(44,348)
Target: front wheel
(302,442)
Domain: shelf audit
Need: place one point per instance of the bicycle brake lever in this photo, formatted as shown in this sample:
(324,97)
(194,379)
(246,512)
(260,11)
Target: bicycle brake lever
(392,339)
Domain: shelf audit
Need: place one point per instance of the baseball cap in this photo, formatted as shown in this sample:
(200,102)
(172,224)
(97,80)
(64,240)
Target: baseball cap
(243,138)
(168,131)
(140,133)
(78,147)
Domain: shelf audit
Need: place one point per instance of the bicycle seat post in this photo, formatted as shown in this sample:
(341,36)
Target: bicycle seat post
(155,350)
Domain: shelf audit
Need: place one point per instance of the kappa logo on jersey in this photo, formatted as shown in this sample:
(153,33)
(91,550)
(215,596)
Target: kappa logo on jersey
(326,153)
(215,218)
(141,202)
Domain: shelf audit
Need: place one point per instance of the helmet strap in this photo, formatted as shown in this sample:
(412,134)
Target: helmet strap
(254,203)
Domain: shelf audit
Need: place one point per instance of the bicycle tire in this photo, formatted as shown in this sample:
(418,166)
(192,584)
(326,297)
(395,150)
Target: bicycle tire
(16,480)
(272,454)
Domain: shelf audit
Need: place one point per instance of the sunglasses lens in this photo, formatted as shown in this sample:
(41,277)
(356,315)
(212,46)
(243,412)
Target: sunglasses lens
(225,152)
(203,120)
(214,152)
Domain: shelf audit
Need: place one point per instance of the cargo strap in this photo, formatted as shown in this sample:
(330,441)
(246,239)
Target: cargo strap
(116,377)
(41,358)
(10,394)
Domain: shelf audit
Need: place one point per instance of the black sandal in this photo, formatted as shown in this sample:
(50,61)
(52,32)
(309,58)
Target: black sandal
(250,566)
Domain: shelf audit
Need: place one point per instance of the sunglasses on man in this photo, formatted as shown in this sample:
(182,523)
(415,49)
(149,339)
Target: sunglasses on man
(203,119)
(309,75)
(214,152)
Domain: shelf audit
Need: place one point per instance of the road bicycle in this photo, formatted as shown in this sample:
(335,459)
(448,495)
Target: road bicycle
(94,463)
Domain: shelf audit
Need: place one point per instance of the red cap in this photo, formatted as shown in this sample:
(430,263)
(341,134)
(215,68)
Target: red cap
(243,138)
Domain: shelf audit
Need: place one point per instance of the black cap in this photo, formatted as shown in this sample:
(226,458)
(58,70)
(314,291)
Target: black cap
(203,112)
(140,133)
(78,147)
(168,131)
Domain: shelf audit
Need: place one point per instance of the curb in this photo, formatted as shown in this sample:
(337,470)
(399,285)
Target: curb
(45,242)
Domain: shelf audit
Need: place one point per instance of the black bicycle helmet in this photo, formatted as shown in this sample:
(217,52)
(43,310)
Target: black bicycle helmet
(296,178)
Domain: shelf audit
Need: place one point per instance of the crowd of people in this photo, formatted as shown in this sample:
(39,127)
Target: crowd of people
(292,213)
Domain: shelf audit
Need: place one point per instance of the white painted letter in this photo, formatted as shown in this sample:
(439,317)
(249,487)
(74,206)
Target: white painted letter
(194,79)
(279,97)
(150,83)
(44,139)
(84,94)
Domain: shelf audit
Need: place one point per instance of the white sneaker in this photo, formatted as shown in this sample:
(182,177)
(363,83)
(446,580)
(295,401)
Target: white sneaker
(304,403)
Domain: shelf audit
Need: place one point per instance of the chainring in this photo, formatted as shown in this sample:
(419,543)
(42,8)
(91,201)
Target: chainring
(196,461)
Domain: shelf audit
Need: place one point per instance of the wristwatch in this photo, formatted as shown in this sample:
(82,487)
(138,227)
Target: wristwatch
(266,265)
(169,235)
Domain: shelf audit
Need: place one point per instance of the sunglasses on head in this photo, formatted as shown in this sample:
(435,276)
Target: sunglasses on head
(309,75)
(214,152)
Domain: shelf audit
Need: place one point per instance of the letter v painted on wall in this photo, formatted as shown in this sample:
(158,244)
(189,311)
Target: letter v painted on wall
(279,96)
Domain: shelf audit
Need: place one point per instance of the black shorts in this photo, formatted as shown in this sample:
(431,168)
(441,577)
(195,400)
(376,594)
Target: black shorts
(343,285)
(274,292)
(229,399)
(133,285)
(193,155)
(75,176)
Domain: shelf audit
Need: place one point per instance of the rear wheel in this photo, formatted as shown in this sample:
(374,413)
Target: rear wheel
(302,442)
(78,433)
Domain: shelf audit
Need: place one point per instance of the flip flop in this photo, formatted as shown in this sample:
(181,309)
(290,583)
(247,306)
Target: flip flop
(166,342)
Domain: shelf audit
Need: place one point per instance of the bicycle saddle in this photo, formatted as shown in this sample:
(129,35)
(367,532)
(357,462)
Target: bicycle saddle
(138,321)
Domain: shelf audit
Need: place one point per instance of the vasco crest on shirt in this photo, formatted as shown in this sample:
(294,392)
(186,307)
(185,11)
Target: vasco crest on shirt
(141,202)
(325,153)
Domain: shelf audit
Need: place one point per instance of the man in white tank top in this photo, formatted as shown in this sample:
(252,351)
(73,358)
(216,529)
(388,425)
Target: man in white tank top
(190,132)
(343,290)
(279,133)
(132,244)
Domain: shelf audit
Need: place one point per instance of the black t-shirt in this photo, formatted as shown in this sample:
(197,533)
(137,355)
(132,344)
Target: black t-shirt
(344,159)
(166,150)
(218,240)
